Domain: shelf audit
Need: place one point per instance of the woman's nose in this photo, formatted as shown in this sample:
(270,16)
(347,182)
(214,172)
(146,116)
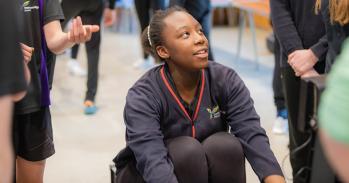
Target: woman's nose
(200,38)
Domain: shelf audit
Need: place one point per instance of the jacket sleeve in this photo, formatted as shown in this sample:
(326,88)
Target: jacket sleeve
(245,125)
(284,27)
(145,139)
(320,48)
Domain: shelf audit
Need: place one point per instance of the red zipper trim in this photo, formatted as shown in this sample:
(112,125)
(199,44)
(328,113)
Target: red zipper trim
(201,93)
(193,130)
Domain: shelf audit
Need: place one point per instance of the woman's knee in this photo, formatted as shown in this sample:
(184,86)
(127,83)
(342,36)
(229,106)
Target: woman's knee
(189,159)
(224,144)
(225,157)
(183,148)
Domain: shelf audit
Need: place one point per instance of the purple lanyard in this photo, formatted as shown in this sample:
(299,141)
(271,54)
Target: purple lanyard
(45,91)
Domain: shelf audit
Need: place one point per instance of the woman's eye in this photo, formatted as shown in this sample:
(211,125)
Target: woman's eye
(201,31)
(185,35)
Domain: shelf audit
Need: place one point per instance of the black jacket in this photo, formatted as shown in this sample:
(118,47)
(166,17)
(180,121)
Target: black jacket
(297,26)
(336,34)
(153,116)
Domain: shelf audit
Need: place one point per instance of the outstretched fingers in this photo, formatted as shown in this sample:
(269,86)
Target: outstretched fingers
(90,29)
(80,33)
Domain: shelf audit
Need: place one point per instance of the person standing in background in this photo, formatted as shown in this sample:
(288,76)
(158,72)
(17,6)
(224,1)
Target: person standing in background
(301,35)
(335,15)
(32,124)
(334,104)
(145,9)
(91,12)
(281,123)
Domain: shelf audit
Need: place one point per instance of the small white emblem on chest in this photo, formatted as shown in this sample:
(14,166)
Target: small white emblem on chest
(214,112)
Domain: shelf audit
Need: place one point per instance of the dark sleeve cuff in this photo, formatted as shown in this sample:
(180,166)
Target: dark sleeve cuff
(53,18)
(10,88)
(320,48)
(269,172)
(289,44)
(292,49)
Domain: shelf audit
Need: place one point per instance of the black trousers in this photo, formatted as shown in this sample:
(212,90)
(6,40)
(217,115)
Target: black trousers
(279,95)
(144,9)
(90,13)
(300,159)
(218,159)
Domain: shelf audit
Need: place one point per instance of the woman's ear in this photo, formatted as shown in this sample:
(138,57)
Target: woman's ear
(162,52)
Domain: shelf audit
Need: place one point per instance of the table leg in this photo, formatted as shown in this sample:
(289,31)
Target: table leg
(254,39)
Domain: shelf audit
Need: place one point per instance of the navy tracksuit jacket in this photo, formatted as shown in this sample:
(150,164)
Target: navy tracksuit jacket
(152,115)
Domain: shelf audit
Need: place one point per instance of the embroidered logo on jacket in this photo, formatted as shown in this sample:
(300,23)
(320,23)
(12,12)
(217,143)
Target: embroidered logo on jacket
(26,3)
(27,7)
(214,112)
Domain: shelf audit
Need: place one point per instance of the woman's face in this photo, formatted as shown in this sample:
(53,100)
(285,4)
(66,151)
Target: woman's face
(185,44)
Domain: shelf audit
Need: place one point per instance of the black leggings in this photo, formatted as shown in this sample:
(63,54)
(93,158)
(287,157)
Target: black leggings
(218,159)
(144,9)
(279,95)
(91,13)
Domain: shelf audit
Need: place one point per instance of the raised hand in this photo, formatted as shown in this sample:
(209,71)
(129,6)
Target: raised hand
(109,17)
(79,33)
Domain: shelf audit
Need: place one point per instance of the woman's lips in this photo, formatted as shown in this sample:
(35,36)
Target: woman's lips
(203,53)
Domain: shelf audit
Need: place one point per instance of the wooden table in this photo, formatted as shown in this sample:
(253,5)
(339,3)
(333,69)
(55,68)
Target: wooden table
(248,8)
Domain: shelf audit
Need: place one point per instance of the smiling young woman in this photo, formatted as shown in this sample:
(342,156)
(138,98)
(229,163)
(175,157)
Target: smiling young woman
(177,115)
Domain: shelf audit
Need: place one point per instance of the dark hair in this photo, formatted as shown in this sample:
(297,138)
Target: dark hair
(154,35)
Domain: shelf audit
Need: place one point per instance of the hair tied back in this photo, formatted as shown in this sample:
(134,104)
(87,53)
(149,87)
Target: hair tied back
(148,33)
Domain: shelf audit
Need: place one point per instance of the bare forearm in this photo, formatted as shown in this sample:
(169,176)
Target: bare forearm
(59,42)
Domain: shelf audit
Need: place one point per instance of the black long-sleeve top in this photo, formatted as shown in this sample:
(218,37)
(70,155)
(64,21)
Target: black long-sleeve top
(336,35)
(296,26)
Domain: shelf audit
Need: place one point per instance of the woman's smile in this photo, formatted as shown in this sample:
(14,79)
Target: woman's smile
(201,53)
